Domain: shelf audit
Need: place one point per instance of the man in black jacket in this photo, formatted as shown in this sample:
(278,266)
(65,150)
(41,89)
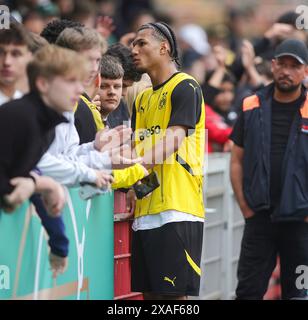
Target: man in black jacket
(269,176)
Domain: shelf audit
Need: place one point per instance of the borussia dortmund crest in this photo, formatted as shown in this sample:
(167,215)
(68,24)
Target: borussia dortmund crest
(163,100)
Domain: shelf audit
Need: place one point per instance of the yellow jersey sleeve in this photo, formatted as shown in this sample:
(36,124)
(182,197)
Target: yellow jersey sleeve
(125,178)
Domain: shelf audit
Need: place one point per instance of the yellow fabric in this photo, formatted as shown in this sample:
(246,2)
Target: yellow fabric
(179,189)
(192,263)
(125,178)
(96,115)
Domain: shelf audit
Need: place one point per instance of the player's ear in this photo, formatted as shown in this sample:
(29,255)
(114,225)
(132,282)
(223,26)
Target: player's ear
(164,49)
(306,71)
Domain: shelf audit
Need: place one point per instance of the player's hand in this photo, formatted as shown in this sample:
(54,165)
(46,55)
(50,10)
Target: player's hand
(130,203)
(108,139)
(120,160)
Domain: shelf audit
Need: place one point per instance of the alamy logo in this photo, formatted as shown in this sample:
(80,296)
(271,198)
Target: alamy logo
(302,279)
(302,19)
(4,278)
(4,17)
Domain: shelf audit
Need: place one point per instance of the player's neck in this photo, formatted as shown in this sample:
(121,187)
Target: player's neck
(162,73)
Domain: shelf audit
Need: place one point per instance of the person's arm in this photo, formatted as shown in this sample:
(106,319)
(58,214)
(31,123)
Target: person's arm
(236,175)
(186,101)
(68,173)
(220,55)
(23,188)
(71,173)
(100,154)
(125,178)
(276,31)
(236,165)
(248,56)
(165,147)
(52,194)
(218,130)
(58,241)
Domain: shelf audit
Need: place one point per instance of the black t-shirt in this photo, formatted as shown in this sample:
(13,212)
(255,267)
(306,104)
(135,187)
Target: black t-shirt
(282,117)
(119,116)
(84,122)
(186,101)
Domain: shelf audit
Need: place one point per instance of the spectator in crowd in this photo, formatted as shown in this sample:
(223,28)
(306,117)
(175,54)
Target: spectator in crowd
(218,132)
(121,114)
(110,92)
(35,42)
(14,56)
(283,28)
(192,36)
(110,95)
(33,22)
(55,85)
(269,176)
(222,102)
(84,12)
(65,7)
(252,78)
(193,64)
(90,44)
(65,160)
(141,17)
(167,236)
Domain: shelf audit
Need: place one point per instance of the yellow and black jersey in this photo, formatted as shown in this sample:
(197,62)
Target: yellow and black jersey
(176,102)
(84,120)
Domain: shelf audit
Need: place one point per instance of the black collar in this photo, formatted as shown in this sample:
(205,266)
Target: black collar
(47,117)
(162,84)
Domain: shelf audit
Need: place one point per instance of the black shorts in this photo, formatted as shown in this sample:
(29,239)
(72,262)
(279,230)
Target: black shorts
(166,260)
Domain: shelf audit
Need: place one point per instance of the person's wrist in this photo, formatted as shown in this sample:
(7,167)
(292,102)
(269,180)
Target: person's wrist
(34,178)
(221,67)
(250,68)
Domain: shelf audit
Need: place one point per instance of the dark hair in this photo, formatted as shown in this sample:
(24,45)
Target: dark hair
(124,55)
(162,31)
(16,34)
(289,17)
(55,27)
(264,68)
(111,68)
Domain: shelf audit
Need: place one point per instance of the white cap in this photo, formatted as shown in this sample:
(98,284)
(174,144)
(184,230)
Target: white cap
(196,37)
